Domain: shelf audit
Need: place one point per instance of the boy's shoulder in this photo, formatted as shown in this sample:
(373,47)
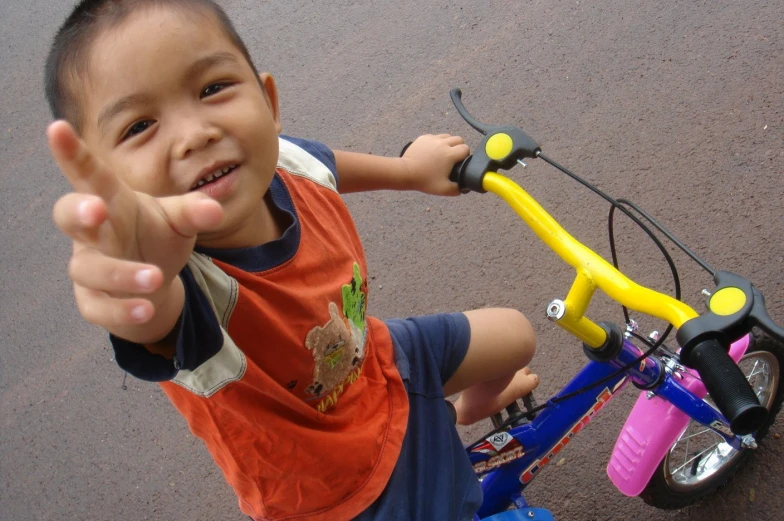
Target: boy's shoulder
(308,159)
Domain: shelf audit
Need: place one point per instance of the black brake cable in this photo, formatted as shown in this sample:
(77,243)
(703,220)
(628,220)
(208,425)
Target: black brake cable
(611,231)
(704,265)
(614,253)
(653,346)
(613,202)
(552,401)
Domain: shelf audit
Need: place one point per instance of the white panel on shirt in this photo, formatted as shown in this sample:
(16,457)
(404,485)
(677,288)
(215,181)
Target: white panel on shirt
(295,160)
(229,363)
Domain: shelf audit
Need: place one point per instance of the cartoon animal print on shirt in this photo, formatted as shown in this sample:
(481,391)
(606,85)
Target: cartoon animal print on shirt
(335,353)
(338,347)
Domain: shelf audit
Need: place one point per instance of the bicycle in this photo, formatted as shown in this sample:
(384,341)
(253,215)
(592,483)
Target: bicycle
(722,381)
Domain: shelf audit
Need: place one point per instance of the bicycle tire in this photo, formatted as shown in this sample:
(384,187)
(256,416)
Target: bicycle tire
(671,490)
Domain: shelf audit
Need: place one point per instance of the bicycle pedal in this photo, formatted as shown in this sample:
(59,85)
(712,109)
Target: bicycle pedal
(525,414)
(529,402)
(514,411)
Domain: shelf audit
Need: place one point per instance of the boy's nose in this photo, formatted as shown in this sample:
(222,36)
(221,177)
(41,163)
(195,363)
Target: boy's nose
(195,135)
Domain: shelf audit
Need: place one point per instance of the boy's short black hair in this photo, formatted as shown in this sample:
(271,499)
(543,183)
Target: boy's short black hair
(67,59)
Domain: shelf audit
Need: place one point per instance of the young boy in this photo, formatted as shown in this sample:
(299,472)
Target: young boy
(225,266)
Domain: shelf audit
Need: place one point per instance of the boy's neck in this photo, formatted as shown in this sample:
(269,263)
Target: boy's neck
(266,224)
(274,220)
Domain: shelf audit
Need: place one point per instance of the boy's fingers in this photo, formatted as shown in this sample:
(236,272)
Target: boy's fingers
(82,169)
(93,270)
(454,140)
(461,151)
(192,213)
(79,215)
(110,313)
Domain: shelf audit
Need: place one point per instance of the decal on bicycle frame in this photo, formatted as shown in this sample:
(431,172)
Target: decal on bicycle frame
(718,426)
(502,448)
(537,465)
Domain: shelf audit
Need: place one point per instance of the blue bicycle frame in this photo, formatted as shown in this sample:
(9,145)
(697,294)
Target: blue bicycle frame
(508,461)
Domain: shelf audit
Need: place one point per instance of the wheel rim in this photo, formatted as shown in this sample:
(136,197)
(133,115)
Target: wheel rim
(700,454)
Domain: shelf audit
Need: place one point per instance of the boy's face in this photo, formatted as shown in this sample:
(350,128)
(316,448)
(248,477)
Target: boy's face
(171,105)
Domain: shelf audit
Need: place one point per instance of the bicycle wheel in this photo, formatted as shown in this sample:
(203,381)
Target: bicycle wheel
(700,461)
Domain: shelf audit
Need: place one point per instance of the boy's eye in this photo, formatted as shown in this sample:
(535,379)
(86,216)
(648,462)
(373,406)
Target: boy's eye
(212,89)
(137,128)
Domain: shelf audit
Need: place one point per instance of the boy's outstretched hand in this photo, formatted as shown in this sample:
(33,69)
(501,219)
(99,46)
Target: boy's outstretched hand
(128,247)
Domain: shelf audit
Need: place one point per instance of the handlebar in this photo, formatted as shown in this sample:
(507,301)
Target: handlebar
(728,387)
(592,271)
(735,308)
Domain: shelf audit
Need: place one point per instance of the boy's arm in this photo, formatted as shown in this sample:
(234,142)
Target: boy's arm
(424,167)
(195,338)
(128,247)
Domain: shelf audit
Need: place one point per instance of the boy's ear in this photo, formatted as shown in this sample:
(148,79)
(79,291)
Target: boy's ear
(271,93)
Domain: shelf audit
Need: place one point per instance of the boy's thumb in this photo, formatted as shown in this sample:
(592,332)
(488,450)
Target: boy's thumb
(192,213)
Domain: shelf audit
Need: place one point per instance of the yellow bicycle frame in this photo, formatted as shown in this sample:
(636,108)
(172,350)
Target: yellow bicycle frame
(592,271)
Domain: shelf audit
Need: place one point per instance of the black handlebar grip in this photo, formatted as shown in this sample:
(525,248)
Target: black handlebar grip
(454,175)
(457,175)
(728,387)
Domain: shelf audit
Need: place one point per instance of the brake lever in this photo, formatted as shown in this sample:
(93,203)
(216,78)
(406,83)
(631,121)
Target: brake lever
(734,308)
(759,316)
(501,148)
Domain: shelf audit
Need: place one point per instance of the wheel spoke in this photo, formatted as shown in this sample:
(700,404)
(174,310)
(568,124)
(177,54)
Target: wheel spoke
(708,458)
(697,434)
(752,373)
(698,455)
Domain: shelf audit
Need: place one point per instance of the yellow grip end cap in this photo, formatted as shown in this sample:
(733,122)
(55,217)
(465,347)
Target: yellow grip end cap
(499,146)
(727,301)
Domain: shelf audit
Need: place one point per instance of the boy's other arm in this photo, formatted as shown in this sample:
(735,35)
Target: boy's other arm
(128,247)
(424,167)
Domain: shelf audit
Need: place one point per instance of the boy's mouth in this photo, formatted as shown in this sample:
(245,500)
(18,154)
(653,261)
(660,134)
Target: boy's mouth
(213,176)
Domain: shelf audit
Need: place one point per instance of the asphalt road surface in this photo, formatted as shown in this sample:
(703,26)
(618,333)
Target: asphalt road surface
(678,106)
